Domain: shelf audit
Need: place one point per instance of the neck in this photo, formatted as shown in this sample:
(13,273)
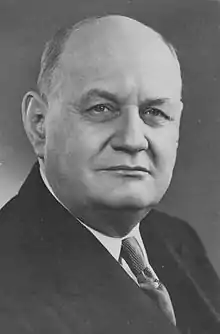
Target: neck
(111,222)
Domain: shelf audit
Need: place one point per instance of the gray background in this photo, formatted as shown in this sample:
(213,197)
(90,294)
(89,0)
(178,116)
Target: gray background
(193,27)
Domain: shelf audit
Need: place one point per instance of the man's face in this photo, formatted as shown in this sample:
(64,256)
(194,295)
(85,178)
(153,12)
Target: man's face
(111,136)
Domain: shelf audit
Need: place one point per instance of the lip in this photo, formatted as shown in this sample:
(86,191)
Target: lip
(127,168)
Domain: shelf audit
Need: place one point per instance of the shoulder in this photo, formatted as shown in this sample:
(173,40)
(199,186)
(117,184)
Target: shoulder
(25,203)
(175,242)
(9,210)
(174,230)
(9,228)
(170,224)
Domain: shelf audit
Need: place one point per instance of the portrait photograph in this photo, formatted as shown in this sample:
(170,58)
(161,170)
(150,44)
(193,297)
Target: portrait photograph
(110,166)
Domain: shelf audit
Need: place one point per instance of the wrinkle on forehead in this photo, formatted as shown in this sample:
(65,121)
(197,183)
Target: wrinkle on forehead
(112,43)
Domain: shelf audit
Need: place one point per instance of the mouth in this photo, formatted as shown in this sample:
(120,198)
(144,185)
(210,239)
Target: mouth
(128,170)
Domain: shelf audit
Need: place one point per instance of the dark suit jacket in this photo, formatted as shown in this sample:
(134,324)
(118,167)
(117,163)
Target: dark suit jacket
(55,276)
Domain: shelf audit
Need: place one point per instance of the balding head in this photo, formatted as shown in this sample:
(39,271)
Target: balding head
(89,36)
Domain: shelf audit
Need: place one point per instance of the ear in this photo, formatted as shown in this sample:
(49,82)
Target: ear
(179,111)
(34,111)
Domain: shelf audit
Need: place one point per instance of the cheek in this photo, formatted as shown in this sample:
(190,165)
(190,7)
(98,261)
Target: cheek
(73,152)
(75,147)
(166,149)
(165,161)
(61,142)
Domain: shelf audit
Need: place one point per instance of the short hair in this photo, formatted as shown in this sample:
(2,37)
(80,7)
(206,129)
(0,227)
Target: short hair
(54,49)
(51,55)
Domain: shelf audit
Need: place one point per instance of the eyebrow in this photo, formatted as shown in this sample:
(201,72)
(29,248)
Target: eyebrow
(156,101)
(110,96)
(98,92)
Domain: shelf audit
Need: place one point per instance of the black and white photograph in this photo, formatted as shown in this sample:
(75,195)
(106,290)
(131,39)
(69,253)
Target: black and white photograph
(110,167)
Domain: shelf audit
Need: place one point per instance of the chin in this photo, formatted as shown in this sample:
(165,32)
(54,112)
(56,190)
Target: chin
(131,196)
(128,202)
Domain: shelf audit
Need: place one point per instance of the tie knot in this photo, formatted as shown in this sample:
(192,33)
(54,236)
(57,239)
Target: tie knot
(132,253)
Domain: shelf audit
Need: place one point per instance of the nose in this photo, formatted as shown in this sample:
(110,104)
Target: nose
(129,136)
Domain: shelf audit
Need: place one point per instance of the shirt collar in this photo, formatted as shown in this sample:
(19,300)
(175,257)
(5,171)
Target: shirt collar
(113,244)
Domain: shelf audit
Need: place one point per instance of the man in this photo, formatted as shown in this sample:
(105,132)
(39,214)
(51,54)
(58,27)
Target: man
(105,128)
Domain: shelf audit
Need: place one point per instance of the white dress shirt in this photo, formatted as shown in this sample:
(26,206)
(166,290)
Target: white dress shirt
(112,244)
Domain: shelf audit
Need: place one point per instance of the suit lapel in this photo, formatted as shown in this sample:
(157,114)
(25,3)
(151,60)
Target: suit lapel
(68,265)
(166,261)
(176,267)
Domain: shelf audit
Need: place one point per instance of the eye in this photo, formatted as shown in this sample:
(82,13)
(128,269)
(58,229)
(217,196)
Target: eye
(156,113)
(102,112)
(100,108)
(154,116)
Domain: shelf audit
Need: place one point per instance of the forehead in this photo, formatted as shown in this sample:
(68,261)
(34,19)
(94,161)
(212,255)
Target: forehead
(120,63)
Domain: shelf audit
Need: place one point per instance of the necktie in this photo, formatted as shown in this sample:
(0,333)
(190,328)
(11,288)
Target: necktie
(132,253)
